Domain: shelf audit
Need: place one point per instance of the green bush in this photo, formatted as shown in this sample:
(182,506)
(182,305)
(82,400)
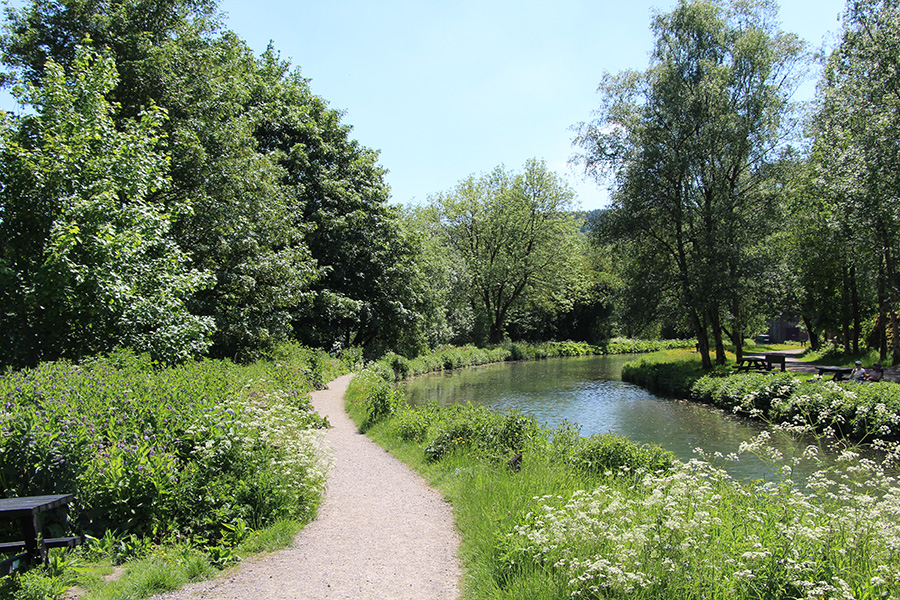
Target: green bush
(604,453)
(412,424)
(474,428)
(860,411)
(158,452)
(662,376)
(372,397)
(399,365)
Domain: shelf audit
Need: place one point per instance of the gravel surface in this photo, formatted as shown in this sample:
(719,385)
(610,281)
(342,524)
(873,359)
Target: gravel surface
(381,533)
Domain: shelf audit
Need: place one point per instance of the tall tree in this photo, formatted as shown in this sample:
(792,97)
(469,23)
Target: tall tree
(686,140)
(516,235)
(86,261)
(366,293)
(269,191)
(230,214)
(856,159)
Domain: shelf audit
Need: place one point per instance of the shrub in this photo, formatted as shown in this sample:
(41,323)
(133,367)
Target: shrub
(490,434)
(412,424)
(860,411)
(666,373)
(155,452)
(398,364)
(603,453)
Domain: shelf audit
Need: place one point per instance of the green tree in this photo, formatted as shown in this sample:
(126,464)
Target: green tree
(687,141)
(366,294)
(86,261)
(855,157)
(228,203)
(269,192)
(517,237)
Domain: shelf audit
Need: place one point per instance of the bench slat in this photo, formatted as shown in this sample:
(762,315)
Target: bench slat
(64,542)
(60,542)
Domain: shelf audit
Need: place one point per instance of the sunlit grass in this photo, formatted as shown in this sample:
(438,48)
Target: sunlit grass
(552,530)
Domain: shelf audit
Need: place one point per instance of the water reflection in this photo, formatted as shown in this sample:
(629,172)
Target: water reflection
(589,391)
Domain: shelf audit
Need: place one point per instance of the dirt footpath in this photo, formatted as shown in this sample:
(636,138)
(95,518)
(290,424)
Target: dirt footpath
(381,533)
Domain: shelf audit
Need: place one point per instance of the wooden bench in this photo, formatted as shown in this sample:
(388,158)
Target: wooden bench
(836,372)
(19,549)
(60,542)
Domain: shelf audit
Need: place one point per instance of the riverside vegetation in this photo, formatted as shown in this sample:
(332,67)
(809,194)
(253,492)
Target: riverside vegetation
(185,468)
(602,517)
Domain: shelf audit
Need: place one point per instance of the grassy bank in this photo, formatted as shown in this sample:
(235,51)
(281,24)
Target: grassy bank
(203,461)
(860,412)
(602,517)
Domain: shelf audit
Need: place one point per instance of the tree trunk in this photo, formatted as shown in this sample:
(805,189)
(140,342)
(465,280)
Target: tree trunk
(702,339)
(717,336)
(813,334)
(882,313)
(845,311)
(738,336)
(854,309)
(889,279)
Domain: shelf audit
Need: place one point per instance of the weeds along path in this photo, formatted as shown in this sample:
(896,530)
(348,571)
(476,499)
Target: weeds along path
(381,533)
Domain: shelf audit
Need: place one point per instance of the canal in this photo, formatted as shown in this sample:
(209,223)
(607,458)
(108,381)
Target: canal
(589,392)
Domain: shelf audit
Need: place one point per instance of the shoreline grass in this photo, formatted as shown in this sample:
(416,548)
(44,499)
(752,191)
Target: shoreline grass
(626,529)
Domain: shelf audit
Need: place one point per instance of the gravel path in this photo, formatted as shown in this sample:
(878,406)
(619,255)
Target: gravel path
(381,533)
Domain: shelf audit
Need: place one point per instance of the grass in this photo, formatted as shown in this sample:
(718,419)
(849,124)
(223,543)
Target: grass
(555,529)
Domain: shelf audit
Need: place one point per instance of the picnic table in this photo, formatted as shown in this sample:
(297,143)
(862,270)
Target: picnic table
(836,372)
(33,546)
(758,363)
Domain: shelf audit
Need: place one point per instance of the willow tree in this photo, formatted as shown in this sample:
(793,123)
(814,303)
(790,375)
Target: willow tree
(686,141)
(517,237)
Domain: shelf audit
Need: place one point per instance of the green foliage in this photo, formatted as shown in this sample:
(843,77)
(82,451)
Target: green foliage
(372,396)
(399,365)
(604,453)
(163,570)
(671,373)
(476,429)
(178,451)
(685,142)
(515,239)
(851,173)
(858,411)
(257,219)
(87,261)
(36,585)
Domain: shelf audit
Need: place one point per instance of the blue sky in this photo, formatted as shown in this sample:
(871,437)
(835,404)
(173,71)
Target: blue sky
(445,89)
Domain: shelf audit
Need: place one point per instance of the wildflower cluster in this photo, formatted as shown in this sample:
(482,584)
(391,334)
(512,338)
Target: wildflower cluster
(862,412)
(695,532)
(179,451)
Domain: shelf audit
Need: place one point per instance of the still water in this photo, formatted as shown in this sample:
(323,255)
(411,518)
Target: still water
(589,392)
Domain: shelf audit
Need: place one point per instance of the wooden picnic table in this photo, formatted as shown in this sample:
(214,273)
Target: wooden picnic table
(752,362)
(760,363)
(27,512)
